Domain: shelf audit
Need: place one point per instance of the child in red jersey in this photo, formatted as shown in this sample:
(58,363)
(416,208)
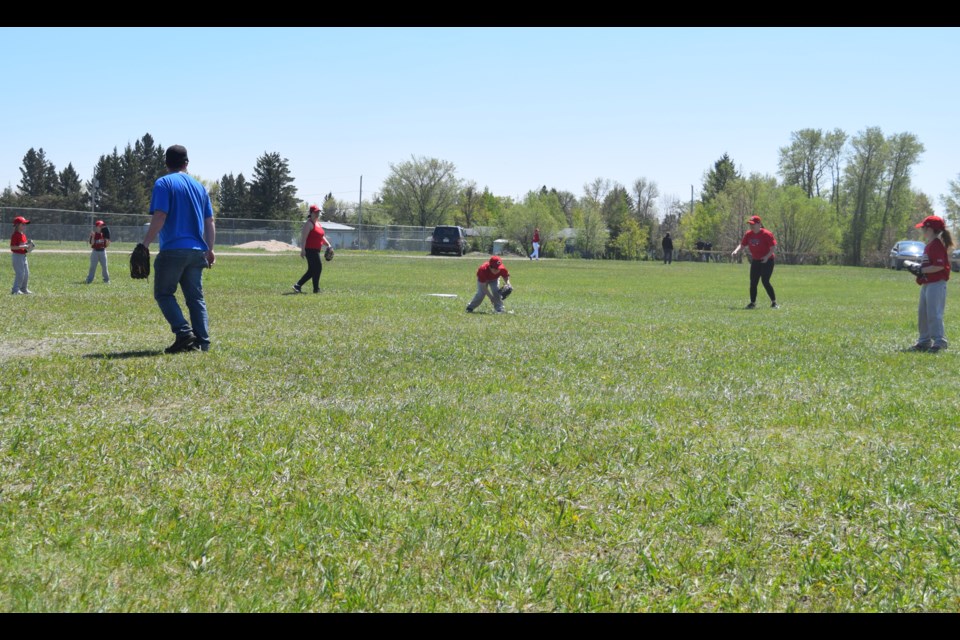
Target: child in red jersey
(932,273)
(488,278)
(761,243)
(20,246)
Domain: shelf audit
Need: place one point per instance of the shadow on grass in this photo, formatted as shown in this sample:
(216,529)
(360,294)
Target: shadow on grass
(119,355)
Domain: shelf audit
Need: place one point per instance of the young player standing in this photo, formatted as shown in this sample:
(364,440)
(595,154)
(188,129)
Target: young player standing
(761,243)
(488,277)
(99,240)
(20,246)
(536,244)
(932,273)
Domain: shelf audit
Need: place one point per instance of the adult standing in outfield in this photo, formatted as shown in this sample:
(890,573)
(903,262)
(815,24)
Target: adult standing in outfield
(312,243)
(667,244)
(20,246)
(488,279)
(182,216)
(761,243)
(536,244)
(99,240)
(932,273)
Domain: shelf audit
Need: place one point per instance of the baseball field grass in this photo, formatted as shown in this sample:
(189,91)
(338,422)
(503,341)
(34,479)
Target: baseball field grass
(626,438)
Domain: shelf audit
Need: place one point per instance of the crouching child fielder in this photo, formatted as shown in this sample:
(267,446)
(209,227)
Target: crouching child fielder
(488,278)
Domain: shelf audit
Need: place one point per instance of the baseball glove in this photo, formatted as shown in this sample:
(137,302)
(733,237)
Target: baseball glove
(328,254)
(505,291)
(30,246)
(140,262)
(913,267)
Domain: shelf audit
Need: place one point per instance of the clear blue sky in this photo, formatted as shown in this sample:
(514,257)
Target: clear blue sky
(512,108)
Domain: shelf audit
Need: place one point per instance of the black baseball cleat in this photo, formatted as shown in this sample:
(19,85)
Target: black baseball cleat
(752,305)
(936,348)
(774,305)
(184,342)
(920,346)
(296,288)
(469,309)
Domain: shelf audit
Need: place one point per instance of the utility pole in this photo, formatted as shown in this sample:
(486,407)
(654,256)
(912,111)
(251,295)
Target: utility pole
(360,216)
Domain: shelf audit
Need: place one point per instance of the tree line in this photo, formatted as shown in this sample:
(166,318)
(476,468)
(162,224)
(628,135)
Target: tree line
(835,196)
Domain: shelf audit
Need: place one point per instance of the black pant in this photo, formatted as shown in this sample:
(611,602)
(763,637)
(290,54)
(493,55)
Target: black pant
(314,267)
(667,256)
(761,272)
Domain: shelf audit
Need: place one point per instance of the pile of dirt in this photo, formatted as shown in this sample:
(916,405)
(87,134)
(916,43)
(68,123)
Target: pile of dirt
(269,245)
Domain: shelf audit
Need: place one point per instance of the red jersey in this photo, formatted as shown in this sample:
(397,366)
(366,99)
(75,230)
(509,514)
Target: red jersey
(536,236)
(759,243)
(315,237)
(98,241)
(18,238)
(935,254)
(484,274)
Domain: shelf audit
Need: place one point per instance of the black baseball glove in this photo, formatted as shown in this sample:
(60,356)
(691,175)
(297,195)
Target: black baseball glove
(914,268)
(140,262)
(505,291)
(328,254)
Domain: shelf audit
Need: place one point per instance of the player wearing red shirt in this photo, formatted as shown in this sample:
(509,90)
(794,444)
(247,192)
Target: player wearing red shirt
(536,244)
(99,240)
(19,248)
(488,277)
(312,241)
(932,276)
(761,243)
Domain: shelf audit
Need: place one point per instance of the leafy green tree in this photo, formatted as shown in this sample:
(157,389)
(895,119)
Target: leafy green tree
(804,162)
(904,150)
(834,144)
(421,191)
(631,243)
(273,195)
(522,218)
(861,180)
(616,209)
(951,201)
(592,236)
(805,227)
(716,180)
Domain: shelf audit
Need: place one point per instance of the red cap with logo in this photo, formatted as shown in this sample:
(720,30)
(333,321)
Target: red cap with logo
(753,220)
(495,261)
(934,222)
(313,208)
(99,223)
(20,220)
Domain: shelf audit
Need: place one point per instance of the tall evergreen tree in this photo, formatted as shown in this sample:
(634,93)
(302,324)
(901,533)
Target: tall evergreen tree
(38,176)
(723,171)
(272,193)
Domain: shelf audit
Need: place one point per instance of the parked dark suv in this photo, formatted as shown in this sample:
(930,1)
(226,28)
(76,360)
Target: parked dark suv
(448,239)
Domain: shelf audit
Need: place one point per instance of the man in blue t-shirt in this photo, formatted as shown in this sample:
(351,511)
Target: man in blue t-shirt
(182,215)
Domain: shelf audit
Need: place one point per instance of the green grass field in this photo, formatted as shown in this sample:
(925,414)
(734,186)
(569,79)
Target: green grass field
(627,438)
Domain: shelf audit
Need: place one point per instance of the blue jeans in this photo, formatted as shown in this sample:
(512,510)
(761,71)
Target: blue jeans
(182,267)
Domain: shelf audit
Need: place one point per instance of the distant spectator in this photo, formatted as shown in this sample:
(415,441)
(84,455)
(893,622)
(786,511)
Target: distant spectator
(667,244)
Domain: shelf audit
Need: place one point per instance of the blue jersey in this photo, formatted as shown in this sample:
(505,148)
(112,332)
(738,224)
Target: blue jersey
(187,204)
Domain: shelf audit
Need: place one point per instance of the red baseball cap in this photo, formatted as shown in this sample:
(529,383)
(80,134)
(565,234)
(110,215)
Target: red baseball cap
(313,208)
(495,261)
(753,220)
(20,220)
(934,222)
(99,223)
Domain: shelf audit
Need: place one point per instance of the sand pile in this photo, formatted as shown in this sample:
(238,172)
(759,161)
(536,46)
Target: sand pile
(269,245)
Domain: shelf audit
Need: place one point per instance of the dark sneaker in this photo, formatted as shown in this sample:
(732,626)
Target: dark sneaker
(296,288)
(937,347)
(752,305)
(920,347)
(774,305)
(469,309)
(184,342)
